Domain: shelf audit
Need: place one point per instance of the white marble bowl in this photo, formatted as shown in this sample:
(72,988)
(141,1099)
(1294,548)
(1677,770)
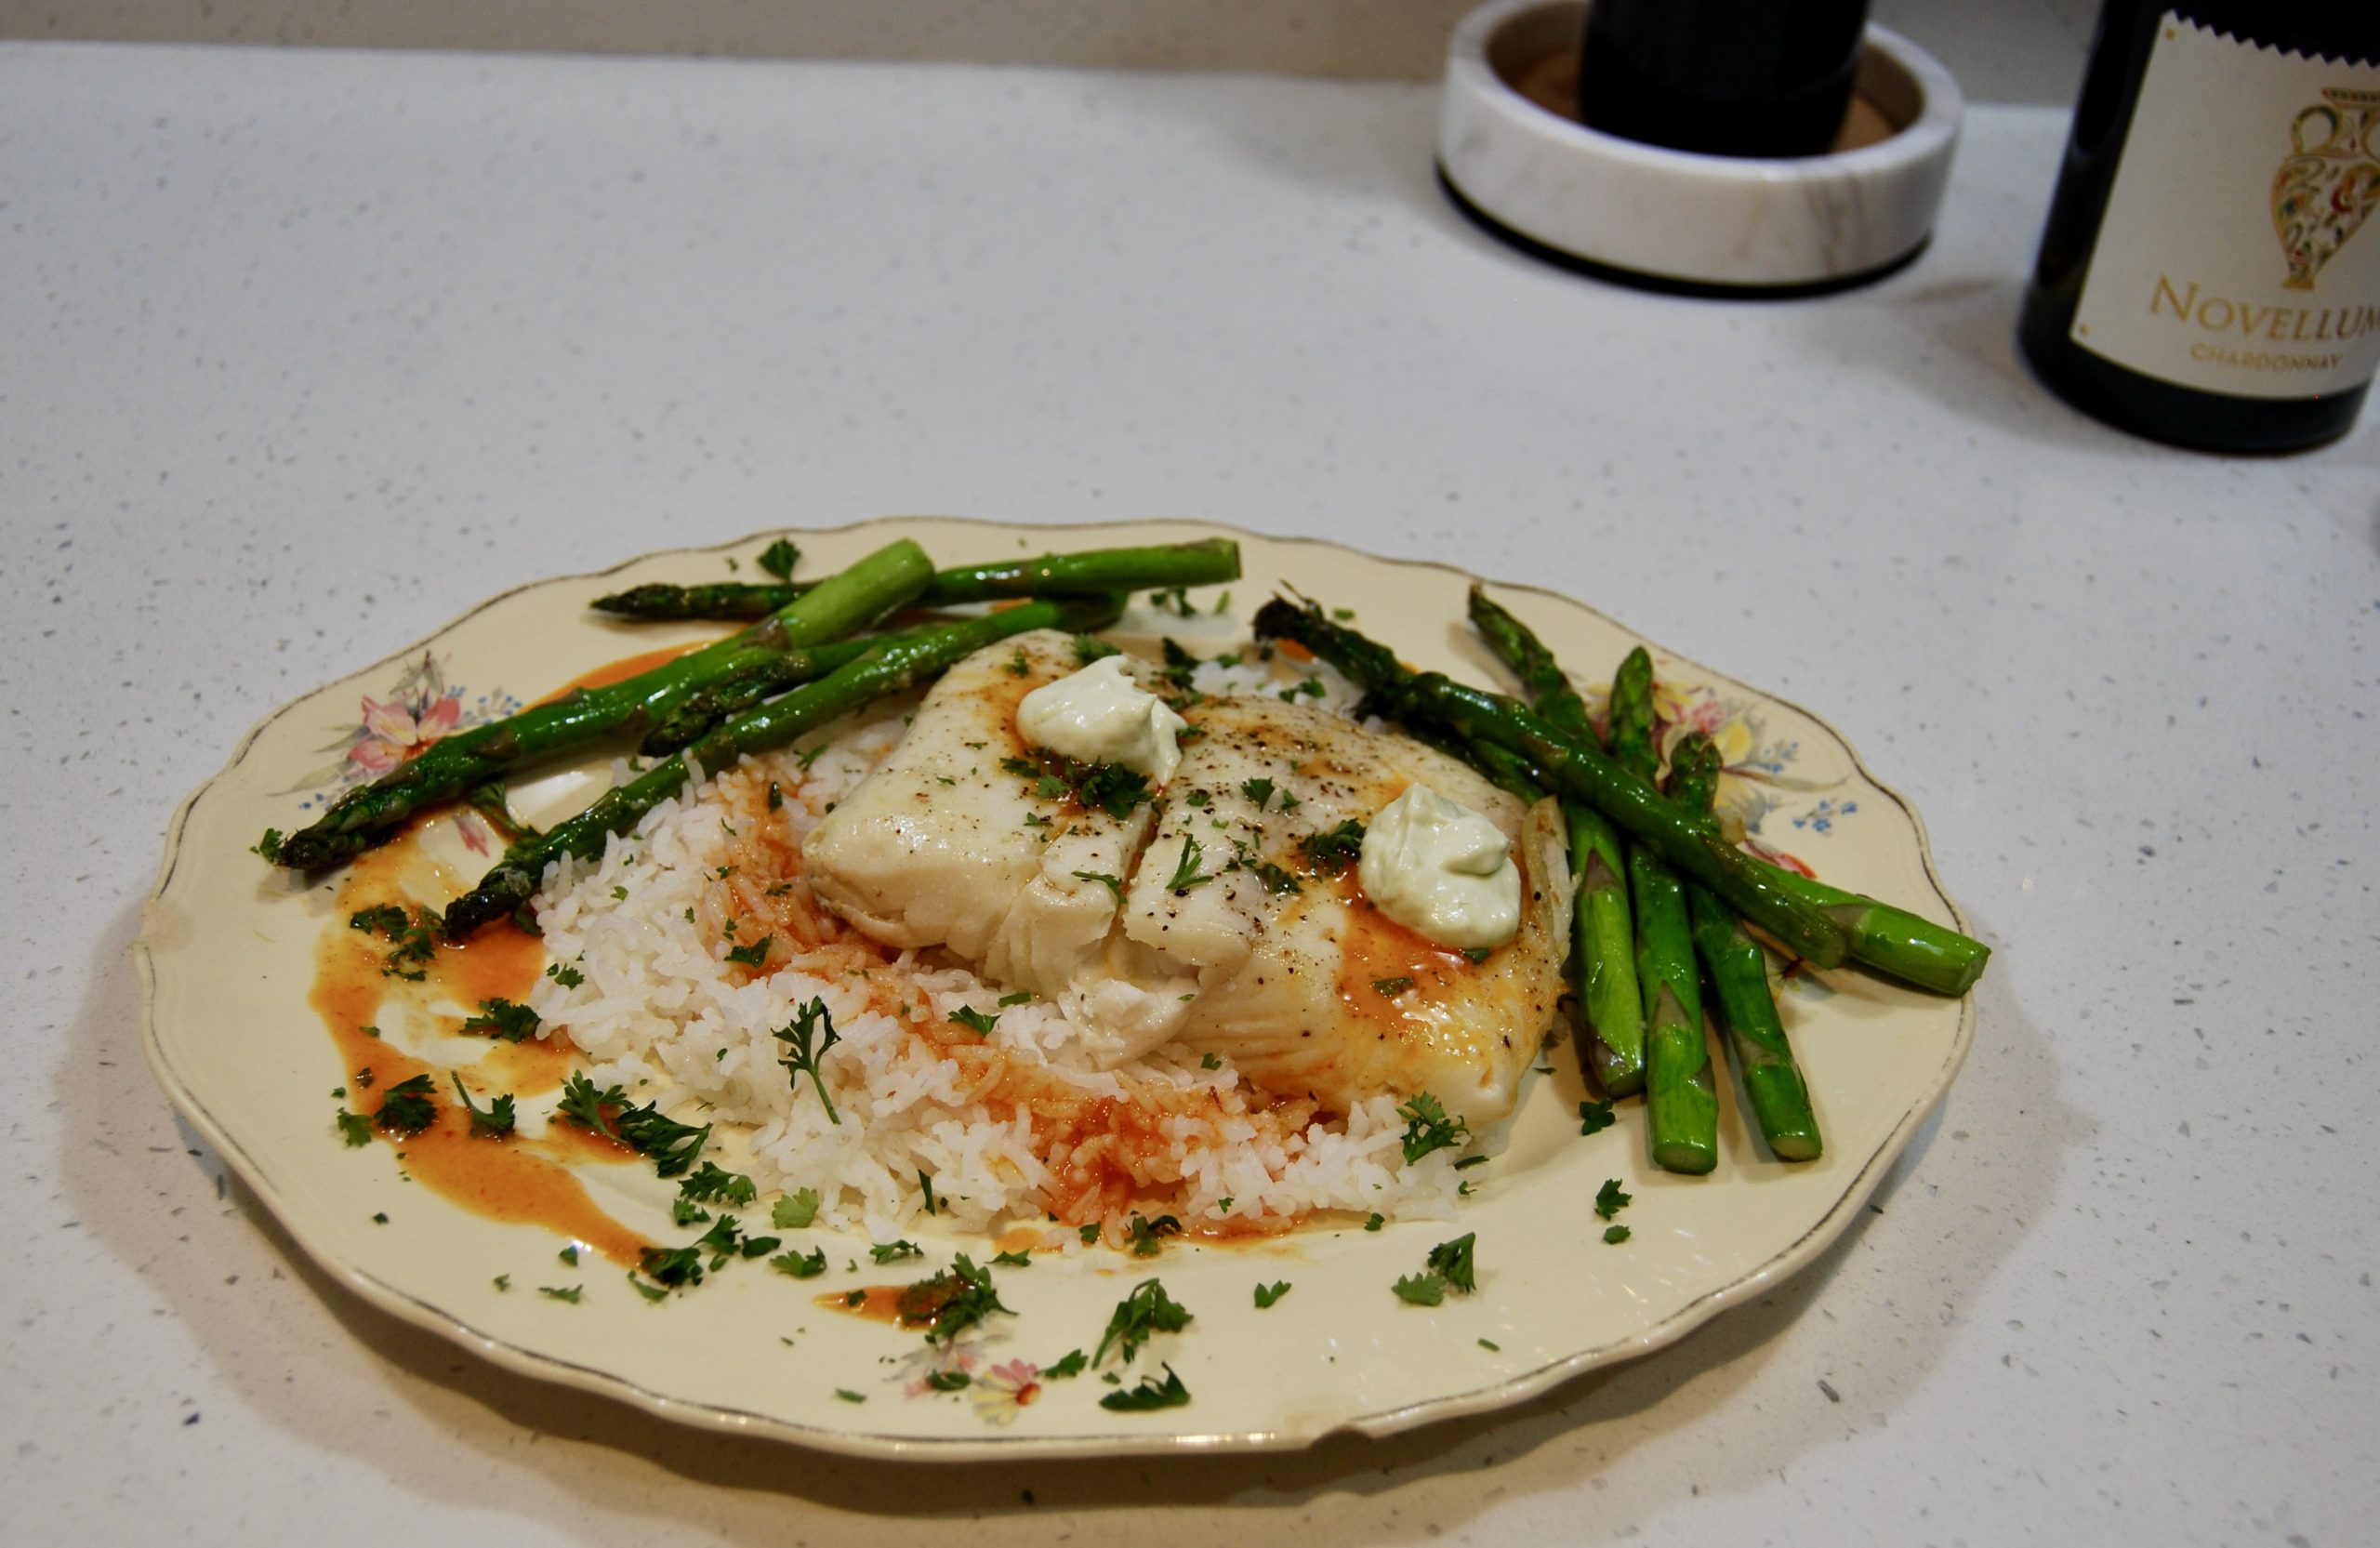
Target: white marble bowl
(1516,158)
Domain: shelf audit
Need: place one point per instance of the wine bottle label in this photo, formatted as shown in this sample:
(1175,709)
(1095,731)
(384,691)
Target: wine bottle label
(2231,257)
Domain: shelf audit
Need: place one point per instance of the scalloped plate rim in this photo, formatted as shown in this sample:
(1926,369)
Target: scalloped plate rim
(879,1445)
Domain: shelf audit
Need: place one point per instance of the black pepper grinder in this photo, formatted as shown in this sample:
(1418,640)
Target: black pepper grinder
(1724,77)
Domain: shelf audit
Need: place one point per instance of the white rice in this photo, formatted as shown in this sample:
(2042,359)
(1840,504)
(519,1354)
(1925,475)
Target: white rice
(660,1012)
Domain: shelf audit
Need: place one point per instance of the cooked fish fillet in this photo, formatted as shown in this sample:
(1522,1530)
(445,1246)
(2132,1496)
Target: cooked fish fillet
(944,845)
(1298,978)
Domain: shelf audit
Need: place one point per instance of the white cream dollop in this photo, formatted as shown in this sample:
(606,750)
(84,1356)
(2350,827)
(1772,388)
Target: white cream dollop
(1442,871)
(1098,715)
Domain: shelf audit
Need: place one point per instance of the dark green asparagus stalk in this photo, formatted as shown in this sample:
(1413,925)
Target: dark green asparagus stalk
(1681,1101)
(368,817)
(1908,946)
(1627,718)
(1092,573)
(1610,1009)
(890,666)
(1774,1089)
(1681,1093)
(1571,769)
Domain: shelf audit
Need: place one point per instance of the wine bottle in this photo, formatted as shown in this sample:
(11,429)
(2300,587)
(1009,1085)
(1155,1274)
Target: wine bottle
(1722,77)
(2203,277)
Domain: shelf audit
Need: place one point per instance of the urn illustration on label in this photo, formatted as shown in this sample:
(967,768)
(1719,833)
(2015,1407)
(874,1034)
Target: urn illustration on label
(2329,182)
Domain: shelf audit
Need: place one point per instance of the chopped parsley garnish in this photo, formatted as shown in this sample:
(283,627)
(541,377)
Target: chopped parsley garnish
(1148,1235)
(1267,1295)
(754,955)
(1114,884)
(268,847)
(685,1211)
(1427,1128)
(555,1292)
(1014,1260)
(1017,665)
(1594,1117)
(1066,1369)
(1150,1393)
(1453,1262)
(413,937)
(796,1211)
(1109,787)
(583,1105)
(675,1266)
(569,1254)
(1209,1060)
(975,1021)
(1615,1235)
(779,558)
(493,1121)
(1179,664)
(894,1252)
(807,1037)
(1187,874)
(1022,997)
(674,1146)
(1476,954)
(1389,988)
(502,1281)
(1177,597)
(651,1292)
(407,1107)
(1258,790)
(1375,1220)
(564,974)
(1610,1199)
(1196,798)
(1145,1312)
(353,1128)
(501,1018)
(716,1185)
(925,1180)
(1276,879)
(949,1381)
(1422,1289)
(1336,848)
(800,1266)
(953,1301)
(1471,1161)
(848,1395)
(1089,1233)
(776,796)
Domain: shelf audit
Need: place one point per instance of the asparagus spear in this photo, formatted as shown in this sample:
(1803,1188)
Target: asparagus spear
(1681,1096)
(1092,573)
(1568,768)
(1681,1102)
(889,665)
(1774,1089)
(370,816)
(1610,1011)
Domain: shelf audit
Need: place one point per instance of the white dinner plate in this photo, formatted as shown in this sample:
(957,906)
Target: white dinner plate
(227,957)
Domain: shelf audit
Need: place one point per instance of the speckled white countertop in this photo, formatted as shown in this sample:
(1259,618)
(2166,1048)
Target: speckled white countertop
(304,352)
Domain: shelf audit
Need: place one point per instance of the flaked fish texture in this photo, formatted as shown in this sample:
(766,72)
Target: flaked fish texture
(948,843)
(1305,985)
(1236,924)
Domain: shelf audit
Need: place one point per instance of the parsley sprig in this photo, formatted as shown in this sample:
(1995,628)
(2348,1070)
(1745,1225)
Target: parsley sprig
(1427,1127)
(493,1122)
(1139,1317)
(807,1037)
(501,1018)
(1151,1393)
(408,1107)
(1187,874)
